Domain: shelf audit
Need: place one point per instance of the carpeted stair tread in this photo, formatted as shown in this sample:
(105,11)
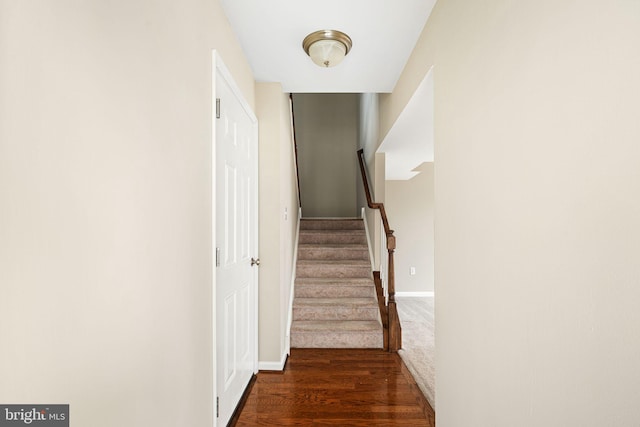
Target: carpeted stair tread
(331,231)
(335,302)
(337,325)
(332,237)
(335,262)
(336,281)
(333,251)
(347,230)
(336,334)
(335,309)
(331,223)
(350,287)
(334,246)
(346,268)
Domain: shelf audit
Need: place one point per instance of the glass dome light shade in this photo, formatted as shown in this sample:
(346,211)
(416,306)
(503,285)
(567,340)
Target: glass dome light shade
(327,53)
(327,48)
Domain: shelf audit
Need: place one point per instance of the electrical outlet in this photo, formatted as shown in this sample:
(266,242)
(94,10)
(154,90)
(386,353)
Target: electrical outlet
(412,271)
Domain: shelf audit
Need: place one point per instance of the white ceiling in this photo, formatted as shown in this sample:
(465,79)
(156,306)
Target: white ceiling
(384,32)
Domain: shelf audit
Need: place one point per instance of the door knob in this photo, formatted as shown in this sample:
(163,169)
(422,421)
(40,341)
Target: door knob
(255,261)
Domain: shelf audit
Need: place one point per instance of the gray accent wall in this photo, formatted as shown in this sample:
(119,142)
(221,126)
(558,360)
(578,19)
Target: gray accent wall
(327,139)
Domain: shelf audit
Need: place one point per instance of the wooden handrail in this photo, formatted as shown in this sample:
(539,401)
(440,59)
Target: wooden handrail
(295,147)
(393,339)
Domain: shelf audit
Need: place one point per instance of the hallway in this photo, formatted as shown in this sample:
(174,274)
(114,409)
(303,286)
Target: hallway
(343,387)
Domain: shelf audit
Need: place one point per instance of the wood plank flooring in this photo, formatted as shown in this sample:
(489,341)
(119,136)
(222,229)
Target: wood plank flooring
(342,387)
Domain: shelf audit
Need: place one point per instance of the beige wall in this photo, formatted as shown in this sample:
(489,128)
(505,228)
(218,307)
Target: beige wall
(379,242)
(368,126)
(105,206)
(289,220)
(327,138)
(409,205)
(537,214)
(278,221)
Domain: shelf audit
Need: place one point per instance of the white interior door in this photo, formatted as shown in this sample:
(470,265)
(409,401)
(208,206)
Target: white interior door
(236,244)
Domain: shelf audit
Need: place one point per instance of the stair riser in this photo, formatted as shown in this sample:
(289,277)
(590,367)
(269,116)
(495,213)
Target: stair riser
(337,340)
(332,238)
(323,270)
(321,291)
(332,224)
(333,253)
(335,313)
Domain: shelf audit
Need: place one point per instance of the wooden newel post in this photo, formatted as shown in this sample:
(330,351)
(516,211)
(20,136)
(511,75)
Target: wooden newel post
(395,331)
(389,314)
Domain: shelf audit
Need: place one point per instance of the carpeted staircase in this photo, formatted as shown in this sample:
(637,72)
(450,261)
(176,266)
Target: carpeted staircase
(335,304)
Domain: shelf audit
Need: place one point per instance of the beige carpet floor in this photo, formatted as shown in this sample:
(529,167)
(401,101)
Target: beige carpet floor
(418,333)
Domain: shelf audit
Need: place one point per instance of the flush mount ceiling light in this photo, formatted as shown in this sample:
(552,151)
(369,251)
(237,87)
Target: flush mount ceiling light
(327,48)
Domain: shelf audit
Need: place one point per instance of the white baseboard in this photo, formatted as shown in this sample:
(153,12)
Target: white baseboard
(415,294)
(273,366)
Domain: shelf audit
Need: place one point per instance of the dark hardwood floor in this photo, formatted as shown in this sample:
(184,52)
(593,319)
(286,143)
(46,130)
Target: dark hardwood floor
(337,387)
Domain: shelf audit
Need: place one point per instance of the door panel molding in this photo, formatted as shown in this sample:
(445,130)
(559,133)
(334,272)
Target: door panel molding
(239,248)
